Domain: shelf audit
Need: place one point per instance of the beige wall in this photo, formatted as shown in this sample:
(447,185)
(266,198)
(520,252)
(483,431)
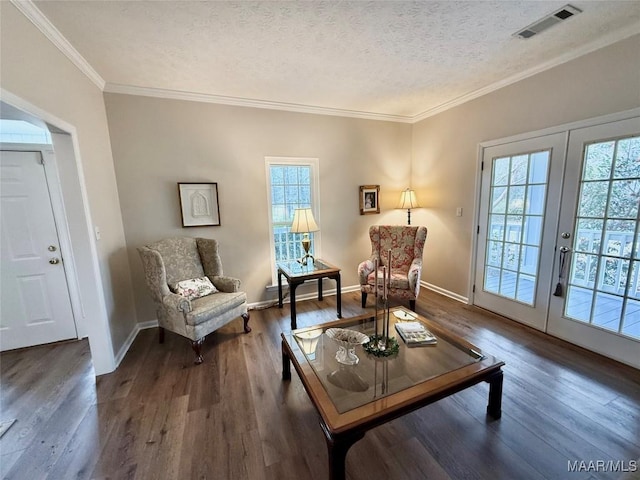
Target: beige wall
(445,147)
(158,142)
(34,70)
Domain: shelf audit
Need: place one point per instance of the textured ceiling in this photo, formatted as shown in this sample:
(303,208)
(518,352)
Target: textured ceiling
(384,57)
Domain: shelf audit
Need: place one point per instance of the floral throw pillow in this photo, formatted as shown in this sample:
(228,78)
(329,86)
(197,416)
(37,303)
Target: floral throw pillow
(195,288)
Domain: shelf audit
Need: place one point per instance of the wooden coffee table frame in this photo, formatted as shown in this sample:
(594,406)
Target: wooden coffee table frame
(342,430)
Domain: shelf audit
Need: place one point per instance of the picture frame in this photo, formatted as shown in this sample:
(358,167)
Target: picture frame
(369,196)
(199,205)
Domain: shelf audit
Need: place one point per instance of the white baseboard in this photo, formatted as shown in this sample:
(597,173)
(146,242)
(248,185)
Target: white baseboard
(304,296)
(444,292)
(132,336)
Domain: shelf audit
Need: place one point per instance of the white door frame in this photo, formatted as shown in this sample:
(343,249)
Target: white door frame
(91,321)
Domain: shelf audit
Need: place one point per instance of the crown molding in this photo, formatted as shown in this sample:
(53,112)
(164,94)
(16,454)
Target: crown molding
(247,102)
(29,10)
(602,42)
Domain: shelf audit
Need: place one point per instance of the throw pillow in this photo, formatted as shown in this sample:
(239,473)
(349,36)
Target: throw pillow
(194,288)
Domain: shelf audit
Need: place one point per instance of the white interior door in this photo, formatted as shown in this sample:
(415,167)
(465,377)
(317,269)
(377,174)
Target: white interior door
(35,307)
(520,197)
(600,303)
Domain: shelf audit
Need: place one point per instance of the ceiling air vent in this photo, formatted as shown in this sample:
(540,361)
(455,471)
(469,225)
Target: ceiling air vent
(558,16)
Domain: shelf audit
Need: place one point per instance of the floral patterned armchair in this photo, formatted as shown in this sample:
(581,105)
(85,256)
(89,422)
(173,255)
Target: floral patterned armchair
(173,262)
(406,244)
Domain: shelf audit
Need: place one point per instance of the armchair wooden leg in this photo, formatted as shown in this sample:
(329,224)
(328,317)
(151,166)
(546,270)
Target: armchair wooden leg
(245,317)
(160,335)
(412,305)
(364,299)
(196,345)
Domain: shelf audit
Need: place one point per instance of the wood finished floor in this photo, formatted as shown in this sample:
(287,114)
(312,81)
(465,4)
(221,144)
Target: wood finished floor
(161,417)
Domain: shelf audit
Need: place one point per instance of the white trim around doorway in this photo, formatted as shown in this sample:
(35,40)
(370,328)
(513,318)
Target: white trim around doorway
(91,322)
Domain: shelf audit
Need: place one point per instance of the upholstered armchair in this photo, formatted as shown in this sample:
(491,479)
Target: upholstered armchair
(406,244)
(191,308)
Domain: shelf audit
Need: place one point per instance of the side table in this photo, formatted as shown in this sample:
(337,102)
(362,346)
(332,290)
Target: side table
(296,274)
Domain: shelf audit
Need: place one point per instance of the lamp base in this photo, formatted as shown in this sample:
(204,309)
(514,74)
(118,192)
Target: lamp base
(305,259)
(306,245)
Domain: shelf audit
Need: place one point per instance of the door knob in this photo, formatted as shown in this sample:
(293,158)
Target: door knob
(52,248)
(54,261)
(565,235)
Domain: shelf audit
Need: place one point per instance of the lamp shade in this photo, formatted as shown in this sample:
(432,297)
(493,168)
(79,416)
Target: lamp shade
(309,340)
(303,221)
(408,199)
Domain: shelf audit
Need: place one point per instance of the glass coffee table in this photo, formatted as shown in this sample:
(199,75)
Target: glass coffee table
(352,399)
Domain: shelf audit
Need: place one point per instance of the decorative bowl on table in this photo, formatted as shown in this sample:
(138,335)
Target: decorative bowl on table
(347,340)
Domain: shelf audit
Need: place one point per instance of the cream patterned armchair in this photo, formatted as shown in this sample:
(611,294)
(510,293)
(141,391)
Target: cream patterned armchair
(191,308)
(406,244)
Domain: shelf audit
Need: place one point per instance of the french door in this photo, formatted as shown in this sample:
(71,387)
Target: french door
(558,240)
(517,227)
(600,305)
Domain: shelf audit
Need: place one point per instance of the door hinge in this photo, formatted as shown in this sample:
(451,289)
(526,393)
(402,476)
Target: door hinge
(474,288)
(482,166)
(478,230)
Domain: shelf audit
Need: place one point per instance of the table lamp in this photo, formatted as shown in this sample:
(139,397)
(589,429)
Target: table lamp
(408,200)
(303,222)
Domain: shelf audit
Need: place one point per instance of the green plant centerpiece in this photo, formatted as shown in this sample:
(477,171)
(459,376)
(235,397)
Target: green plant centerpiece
(381,346)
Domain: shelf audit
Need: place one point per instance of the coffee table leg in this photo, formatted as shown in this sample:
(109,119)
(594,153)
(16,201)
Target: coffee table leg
(279,289)
(320,297)
(494,408)
(286,364)
(337,448)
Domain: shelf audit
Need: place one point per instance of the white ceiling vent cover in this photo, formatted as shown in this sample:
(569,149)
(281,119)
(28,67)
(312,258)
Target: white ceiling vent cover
(558,16)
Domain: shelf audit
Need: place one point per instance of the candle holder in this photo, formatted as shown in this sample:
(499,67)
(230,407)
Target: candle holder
(380,344)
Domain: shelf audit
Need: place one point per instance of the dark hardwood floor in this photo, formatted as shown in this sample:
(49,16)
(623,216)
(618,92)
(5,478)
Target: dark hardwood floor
(159,416)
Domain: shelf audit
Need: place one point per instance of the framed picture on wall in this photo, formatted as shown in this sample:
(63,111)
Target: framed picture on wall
(199,204)
(369,199)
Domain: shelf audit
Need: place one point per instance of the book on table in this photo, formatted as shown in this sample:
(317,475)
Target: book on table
(415,334)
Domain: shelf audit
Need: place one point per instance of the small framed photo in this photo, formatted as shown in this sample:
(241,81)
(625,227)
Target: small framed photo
(369,199)
(199,204)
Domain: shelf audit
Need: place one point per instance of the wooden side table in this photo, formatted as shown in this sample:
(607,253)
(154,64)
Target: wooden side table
(296,274)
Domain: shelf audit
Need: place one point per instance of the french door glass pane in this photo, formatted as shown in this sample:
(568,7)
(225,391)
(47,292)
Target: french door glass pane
(604,288)
(515,219)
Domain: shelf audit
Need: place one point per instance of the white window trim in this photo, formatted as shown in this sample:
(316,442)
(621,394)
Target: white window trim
(314,163)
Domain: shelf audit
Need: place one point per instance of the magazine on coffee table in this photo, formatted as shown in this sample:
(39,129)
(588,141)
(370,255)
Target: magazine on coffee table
(415,334)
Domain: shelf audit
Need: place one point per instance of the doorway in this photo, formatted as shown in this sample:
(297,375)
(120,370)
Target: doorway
(35,302)
(558,244)
(81,264)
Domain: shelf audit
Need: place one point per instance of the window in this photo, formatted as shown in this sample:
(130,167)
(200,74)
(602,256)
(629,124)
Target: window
(292,183)
(19,131)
